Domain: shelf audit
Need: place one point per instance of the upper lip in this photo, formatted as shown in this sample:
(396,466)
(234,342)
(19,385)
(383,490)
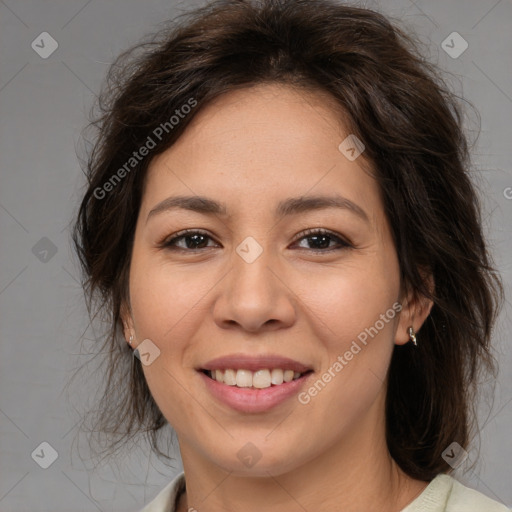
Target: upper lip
(255,363)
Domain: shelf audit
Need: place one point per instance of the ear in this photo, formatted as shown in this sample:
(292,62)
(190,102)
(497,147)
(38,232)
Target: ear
(415,310)
(127,319)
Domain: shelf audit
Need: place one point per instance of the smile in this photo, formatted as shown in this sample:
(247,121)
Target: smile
(259,379)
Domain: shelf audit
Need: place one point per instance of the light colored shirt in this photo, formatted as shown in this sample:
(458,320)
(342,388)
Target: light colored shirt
(443,494)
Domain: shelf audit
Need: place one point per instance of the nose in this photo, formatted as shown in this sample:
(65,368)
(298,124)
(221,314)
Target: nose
(254,296)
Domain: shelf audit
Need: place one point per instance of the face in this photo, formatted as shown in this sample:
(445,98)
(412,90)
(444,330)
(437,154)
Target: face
(262,274)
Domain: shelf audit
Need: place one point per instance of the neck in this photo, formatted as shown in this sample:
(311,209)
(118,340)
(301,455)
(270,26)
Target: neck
(356,474)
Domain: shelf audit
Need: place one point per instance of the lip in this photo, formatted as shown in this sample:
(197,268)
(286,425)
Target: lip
(249,400)
(254,363)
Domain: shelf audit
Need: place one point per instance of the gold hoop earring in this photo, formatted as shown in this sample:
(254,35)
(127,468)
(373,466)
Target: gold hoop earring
(412,336)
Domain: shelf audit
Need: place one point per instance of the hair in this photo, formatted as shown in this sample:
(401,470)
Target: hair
(393,100)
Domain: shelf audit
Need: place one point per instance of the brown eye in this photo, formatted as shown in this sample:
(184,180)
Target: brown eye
(188,240)
(320,240)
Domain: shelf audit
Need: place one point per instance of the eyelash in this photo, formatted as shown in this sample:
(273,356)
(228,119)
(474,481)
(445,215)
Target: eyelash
(168,243)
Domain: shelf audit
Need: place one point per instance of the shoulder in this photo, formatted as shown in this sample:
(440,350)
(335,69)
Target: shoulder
(464,498)
(165,499)
(445,494)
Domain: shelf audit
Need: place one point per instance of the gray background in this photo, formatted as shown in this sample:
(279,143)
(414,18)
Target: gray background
(44,105)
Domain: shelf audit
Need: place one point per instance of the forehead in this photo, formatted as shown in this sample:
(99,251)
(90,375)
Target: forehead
(264,116)
(262,144)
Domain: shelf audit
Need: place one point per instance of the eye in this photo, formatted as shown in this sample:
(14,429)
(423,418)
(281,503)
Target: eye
(190,239)
(321,239)
(194,240)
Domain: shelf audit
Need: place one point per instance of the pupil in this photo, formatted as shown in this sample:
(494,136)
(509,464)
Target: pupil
(196,241)
(319,241)
(324,238)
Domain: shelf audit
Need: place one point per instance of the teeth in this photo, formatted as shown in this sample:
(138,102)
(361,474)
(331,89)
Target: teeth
(260,379)
(288,375)
(229,377)
(243,378)
(276,376)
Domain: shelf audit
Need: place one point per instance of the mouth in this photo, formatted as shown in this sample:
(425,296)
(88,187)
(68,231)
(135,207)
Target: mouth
(251,383)
(259,379)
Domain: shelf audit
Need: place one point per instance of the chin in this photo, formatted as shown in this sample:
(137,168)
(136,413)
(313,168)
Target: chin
(250,460)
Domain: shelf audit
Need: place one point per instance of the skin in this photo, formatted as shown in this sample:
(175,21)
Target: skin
(251,149)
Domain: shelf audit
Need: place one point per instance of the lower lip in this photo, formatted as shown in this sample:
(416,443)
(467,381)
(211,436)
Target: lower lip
(253,400)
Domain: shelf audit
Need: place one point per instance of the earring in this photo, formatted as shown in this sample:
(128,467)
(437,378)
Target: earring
(131,339)
(412,336)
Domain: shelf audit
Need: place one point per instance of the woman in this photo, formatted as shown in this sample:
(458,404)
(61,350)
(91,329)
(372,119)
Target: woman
(280,219)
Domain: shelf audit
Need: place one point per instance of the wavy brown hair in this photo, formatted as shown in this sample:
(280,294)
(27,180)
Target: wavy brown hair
(395,101)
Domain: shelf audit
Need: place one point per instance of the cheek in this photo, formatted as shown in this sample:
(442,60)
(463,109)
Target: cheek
(348,301)
(165,300)
(168,305)
(354,312)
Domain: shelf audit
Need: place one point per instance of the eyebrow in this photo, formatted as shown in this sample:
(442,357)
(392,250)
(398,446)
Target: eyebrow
(287,207)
